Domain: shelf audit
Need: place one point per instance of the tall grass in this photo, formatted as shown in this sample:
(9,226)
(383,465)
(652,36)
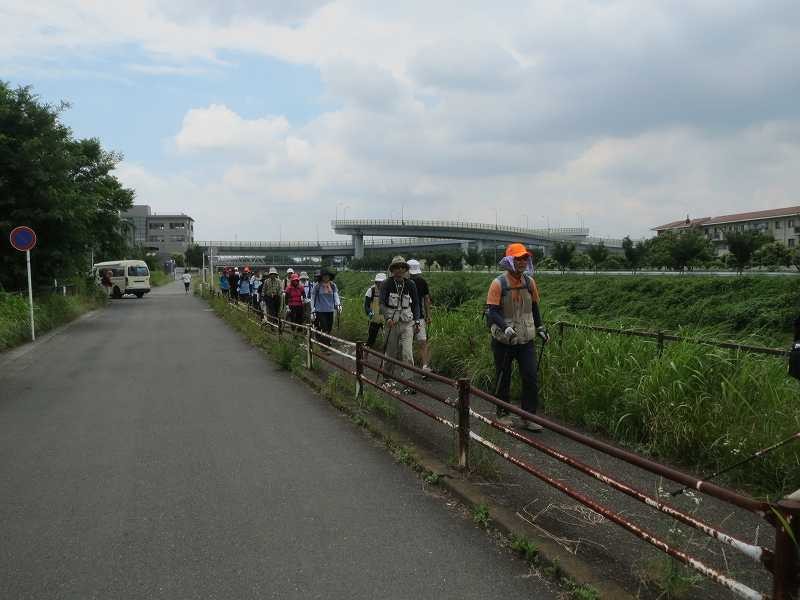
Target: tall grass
(701,407)
(49,312)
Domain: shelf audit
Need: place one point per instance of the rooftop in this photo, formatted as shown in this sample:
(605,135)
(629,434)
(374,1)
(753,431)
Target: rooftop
(788,211)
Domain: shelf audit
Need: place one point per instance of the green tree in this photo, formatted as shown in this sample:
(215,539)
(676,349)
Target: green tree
(62,187)
(562,252)
(742,245)
(773,254)
(473,258)
(634,253)
(690,248)
(194,256)
(597,253)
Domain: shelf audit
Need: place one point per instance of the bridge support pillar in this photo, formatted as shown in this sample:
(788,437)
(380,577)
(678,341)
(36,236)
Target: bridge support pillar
(465,247)
(358,246)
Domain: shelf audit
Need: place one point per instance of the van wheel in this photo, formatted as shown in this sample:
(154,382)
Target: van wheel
(139,295)
(117,293)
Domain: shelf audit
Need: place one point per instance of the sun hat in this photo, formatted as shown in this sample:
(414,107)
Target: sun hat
(517,250)
(398,262)
(380,277)
(272,271)
(414,267)
(289,271)
(303,275)
(326,271)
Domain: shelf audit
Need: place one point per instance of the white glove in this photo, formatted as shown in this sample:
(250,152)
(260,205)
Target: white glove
(339,309)
(541,331)
(510,333)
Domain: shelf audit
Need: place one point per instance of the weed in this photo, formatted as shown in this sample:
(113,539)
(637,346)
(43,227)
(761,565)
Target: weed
(583,592)
(374,402)
(404,455)
(525,548)
(433,478)
(286,354)
(480,515)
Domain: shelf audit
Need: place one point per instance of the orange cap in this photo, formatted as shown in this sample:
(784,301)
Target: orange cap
(517,250)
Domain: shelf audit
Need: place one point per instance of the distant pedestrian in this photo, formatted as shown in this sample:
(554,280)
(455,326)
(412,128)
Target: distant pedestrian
(106,282)
(372,307)
(421,337)
(255,289)
(325,302)
(304,281)
(294,294)
(400,308)
(288,279)
(233,282)
(271,294)
(224,285)
(515,319)
(187,281)
(244,289)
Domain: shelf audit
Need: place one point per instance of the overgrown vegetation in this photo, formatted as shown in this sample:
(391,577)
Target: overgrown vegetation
(50,311)
(694,405)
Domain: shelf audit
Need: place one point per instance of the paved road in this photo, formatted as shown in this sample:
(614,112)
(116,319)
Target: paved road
(148,452)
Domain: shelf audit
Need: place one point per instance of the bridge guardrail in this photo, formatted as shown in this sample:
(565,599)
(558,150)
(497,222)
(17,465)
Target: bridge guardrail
(782,561)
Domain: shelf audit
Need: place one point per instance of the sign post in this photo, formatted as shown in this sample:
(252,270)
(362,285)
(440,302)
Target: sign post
(24,239)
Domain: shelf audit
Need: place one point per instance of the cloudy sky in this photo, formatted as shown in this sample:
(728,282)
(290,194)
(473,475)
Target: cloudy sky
(266,118)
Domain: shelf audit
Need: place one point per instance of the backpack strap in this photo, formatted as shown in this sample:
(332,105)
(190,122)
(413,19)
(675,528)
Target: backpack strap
(505,287)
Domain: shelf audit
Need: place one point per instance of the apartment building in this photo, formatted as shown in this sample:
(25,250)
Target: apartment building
(783,224)
(163,234)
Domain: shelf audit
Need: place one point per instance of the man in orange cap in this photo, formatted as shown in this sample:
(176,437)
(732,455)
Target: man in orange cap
(515,320)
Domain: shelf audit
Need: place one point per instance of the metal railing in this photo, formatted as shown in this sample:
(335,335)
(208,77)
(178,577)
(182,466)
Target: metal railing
(662,337)
(387,242)
(782,561)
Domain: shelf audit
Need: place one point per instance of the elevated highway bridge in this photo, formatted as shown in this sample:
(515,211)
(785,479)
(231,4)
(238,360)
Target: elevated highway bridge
(390,235)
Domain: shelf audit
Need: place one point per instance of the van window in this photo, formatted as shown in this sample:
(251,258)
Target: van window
(138,272)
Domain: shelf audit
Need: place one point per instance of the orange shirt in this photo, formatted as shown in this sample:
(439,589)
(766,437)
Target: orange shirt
(495,295)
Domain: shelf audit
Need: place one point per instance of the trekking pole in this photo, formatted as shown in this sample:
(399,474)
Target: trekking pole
(387,332)
(758,454)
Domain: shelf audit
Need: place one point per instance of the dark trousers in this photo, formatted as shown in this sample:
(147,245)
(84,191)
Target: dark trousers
(273,304)
(296,314)
(374,329)
(325,322)
(525,355)
(245,298)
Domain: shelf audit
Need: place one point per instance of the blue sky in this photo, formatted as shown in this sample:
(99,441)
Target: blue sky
(264,119)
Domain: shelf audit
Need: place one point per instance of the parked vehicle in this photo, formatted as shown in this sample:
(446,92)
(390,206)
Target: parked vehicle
(127,277)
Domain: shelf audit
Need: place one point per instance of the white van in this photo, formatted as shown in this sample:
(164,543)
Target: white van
(127,277)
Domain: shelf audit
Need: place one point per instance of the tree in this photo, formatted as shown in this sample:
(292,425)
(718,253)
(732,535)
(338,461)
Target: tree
(742,245)
(62,187)
(473,258)
(773,254)
(562,253)
(597,253)
(690,248)
(634,253)
(489,257)
(194,256)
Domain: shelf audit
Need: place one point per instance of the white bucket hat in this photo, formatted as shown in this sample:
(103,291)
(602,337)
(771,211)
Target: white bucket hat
(414,267)
(272,271)
(380,277)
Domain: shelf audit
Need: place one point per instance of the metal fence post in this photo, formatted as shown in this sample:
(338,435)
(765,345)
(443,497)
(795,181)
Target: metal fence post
(359,370)
(309,353)
(786,580)
(463,424)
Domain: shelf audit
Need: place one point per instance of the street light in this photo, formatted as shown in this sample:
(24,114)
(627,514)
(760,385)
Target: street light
(526,220)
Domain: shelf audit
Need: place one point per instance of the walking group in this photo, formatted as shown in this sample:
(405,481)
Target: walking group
(399,304)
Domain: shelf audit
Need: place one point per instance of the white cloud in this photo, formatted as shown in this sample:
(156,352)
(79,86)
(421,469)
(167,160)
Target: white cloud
(625,112)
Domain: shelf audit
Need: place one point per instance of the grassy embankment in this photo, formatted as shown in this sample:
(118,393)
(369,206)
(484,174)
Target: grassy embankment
(49,312)
(158,277)
(694,405)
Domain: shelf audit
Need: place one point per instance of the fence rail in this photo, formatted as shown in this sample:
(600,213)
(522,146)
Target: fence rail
(661,337)
(782,561)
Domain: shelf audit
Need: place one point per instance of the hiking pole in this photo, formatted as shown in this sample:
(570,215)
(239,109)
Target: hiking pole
(386,333)
(758,454)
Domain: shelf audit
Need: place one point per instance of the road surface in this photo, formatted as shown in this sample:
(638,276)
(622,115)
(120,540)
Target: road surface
(148,452)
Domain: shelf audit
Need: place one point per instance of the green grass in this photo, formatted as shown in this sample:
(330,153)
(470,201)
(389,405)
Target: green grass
(49,312)
(480,515)
(158,277)
(693,405)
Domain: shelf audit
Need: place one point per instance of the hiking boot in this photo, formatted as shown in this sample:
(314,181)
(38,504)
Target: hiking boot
(528,426)
(503,417)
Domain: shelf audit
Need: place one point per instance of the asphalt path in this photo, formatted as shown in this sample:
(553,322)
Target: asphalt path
(148,452)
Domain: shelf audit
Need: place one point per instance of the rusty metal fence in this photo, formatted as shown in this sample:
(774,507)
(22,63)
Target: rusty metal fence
(661,337)
(367,367)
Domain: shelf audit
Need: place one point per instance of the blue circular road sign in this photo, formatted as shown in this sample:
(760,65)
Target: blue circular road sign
(23,238)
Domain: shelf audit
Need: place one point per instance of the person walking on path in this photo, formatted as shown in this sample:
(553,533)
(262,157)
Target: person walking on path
(224,285)
(306,285)
(244,289)
(271,294)
(288,279)
(233,283)
(325,302)
(295,296)
(106,282)
(400,308)
(515,320)
(187,281)
(255,289)
(421,337)
(372,307)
